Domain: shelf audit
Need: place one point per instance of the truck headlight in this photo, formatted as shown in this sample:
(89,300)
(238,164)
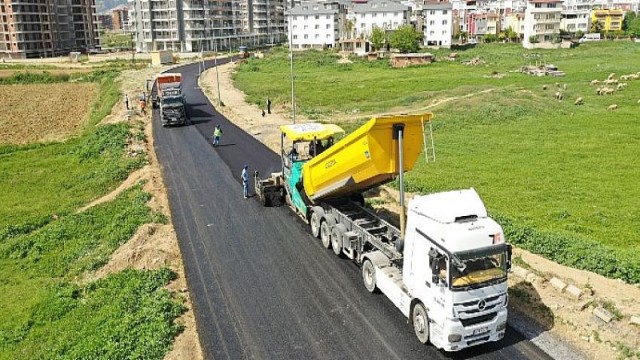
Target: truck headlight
(455,338)
(501,326)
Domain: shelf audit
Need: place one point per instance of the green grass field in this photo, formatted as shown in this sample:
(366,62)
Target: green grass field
(561,178)
(46,248)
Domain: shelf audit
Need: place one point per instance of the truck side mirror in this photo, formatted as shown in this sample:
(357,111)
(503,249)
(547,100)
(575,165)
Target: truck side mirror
(509,256)
(433,264)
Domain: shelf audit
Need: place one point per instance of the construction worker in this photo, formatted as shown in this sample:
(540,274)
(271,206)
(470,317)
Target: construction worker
(217,132)
(143,106)
(245,181)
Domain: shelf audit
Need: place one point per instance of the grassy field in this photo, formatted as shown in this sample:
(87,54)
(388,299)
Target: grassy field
(46,248)
(561,178)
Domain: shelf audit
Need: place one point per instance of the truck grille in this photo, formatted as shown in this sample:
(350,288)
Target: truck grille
(478,319)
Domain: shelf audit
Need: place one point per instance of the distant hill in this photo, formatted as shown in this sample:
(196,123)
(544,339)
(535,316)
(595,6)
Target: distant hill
(103,6)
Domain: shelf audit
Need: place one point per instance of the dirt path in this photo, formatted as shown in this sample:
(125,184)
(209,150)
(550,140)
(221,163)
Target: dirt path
(566,317)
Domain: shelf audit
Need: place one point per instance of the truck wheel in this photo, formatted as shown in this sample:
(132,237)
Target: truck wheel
(421,323)
(325,230)
(337,233)
(369,276)
(314,222)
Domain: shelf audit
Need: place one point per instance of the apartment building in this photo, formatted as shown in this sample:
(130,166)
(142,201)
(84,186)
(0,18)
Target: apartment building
(264,19)
(438,23)
(609,19)
(42,28)
(541,23)
(385,14)
(515,21)
(205,25)
(576,16)
(105,21)
(120,17)
(314,25)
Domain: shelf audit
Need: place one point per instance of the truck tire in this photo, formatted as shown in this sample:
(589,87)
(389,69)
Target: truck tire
(369,276)
(314,221)
(420,322)
(325,230)
(337,234)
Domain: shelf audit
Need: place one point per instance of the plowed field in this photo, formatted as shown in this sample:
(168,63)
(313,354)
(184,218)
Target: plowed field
(43,112)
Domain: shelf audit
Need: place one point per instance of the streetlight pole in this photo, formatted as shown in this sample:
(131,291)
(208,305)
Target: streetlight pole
(293,92)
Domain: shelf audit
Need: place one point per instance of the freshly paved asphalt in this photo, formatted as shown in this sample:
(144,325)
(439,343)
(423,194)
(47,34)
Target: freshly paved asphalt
(261,286)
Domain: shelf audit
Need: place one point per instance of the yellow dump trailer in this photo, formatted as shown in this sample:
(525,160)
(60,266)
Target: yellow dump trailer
(366,158)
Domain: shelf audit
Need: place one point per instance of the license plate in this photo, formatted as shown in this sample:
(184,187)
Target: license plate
(481,330)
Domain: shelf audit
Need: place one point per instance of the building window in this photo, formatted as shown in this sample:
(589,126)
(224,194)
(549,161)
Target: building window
(317,17)
(362,25)
(432,12)
(444,22)
(317,36)
(432,32)
(444,12)
(306,17)
(295,27)
(295,36)
(306,27)
(432,22)
(328,17)
(317,26)
(444,32)
(306,36)
(328,26)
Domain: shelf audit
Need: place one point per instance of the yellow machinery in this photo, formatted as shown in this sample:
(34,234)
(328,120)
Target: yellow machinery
(365,158)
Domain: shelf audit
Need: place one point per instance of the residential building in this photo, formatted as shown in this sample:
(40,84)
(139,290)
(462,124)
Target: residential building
(438,23)
(264,19)
(105,21)
(385,14)
(515,21)
(542,23)
(120,19)
(609,19)
(576,16)
(494,23)
(42,28)
(314,25)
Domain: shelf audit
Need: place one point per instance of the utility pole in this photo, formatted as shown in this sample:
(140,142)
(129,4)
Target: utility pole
(293,92)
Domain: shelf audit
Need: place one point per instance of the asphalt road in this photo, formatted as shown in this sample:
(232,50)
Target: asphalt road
(261,286)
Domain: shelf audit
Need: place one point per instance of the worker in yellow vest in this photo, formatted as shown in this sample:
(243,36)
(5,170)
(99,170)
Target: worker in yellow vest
(217,132)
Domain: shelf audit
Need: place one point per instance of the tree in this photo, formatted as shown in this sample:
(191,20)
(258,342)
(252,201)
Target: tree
(464,36)
(510,34)
(405,39)
(533,39)
(631,24)
(377,38)
(596,27)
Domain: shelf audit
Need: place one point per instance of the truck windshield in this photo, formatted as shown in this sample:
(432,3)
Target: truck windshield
(172,101)
(479,268)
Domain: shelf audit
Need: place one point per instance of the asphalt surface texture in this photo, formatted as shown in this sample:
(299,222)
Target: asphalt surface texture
(262,287)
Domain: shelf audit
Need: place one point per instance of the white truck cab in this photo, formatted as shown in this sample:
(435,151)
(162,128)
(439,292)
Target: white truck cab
(454,271)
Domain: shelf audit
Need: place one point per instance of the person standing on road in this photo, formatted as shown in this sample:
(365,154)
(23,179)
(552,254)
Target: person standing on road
(126,101)
(268,106)
(245,181)
(217,133)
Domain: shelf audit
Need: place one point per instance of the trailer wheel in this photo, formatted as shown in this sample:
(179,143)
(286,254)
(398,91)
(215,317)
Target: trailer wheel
(421,323)
(337,233)
(369,276)
(325,230)
(314,222)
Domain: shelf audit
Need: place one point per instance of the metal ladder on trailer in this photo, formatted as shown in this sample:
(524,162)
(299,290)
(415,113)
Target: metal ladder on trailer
(429,145)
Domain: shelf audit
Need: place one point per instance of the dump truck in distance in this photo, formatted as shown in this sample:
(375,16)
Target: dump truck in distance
(445,270)
(170,99)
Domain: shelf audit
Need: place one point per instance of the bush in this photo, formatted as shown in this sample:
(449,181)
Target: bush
(576,252)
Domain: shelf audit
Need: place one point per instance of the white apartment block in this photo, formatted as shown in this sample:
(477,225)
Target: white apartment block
(542,21)
(438,23)
(205,25)
(576,16)
(313,25)
(384,14)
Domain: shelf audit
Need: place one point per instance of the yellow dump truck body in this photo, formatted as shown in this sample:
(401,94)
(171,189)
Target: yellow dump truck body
(366,158)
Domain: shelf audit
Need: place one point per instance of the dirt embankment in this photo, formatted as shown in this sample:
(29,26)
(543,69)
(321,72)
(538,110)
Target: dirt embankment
(558,312)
